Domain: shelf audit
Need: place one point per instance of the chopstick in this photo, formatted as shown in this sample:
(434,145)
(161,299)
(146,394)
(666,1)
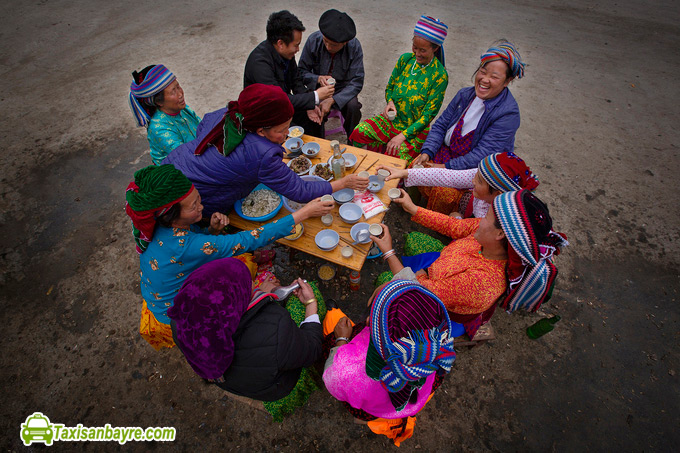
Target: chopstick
(356,167)
(376,161)
(347,241)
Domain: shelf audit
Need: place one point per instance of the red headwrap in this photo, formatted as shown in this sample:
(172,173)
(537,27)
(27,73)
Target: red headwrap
(261,106)
(258,106)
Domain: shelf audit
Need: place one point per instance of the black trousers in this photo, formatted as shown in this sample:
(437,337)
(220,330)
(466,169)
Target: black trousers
(300,118)
(351,112)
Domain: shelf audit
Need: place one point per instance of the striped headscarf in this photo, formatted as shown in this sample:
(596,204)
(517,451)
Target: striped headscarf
(434,31)
(142,92)
(409,339)
(527,225)
(154,190)
(506,52)
(506,172)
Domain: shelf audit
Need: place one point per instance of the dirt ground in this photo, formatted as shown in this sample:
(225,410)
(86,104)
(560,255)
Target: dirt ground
(599,127)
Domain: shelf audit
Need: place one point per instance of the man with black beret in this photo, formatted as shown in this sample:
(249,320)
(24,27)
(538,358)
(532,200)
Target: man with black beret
(272,62)
(333,52)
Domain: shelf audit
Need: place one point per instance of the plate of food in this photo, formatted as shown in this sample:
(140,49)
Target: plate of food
(322,171)
(260,205)
(300,165)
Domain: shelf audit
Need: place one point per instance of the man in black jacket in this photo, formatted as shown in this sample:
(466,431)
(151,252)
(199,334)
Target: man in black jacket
(334,53)
(272,62)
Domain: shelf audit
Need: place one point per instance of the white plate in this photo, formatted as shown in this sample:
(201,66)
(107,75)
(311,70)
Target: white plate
(301,157)
(311,171)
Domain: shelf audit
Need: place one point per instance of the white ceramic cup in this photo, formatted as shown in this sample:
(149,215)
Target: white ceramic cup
(347,251)
(330,82)
(391,115)
(382,174)
(327,219)
(394,193)
(376,230)
(363,174)
(327,197)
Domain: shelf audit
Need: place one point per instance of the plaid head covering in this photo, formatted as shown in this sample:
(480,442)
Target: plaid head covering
(257,106)
(507,172)
(207,311)
(144,88)
(409,339)
(434,31)
(506,52)
(154,190)
(527,224)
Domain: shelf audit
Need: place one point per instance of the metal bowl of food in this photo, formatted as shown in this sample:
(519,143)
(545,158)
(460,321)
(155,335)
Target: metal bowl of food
(293,206)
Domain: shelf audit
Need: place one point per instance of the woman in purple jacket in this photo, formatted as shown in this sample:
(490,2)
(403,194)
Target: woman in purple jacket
(480,120)
(246,150)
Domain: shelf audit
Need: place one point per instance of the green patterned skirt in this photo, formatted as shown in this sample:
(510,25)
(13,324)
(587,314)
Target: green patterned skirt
(415,244)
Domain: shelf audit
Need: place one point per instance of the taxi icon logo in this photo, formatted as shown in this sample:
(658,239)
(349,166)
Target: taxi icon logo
(37,428)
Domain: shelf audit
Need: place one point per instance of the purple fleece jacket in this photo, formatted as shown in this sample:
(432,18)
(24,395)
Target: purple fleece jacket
(495,132)
(222,181)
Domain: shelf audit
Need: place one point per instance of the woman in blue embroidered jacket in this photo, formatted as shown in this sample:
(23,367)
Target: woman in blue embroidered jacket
(164,207)
(157,102)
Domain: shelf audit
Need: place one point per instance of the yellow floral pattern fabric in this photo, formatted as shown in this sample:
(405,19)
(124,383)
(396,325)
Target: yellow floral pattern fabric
(417,93)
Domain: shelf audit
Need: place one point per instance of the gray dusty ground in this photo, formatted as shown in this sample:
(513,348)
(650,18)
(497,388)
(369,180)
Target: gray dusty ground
(599,126)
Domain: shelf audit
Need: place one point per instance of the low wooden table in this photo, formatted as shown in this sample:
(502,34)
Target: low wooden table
(312,226)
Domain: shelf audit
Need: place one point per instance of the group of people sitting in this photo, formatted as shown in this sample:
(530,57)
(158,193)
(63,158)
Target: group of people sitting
(211,293)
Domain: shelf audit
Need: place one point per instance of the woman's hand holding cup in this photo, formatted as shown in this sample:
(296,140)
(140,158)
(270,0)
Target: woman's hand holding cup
(384,242)
(406,203)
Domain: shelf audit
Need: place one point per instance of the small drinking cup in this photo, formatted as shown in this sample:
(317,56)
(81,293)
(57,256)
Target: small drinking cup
(382,174)
(327,219)
(376,230)
(363,174)
(326,198)
(347,251)
(394,193)
(391,115)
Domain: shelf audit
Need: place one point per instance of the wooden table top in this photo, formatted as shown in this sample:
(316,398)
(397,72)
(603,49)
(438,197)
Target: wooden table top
(312,226)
